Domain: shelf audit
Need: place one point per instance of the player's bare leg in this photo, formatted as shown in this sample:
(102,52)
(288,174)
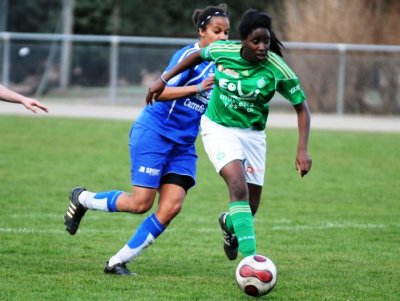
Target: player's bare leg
(171,198)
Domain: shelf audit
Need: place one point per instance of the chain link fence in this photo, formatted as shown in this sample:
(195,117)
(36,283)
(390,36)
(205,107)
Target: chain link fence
(116,70)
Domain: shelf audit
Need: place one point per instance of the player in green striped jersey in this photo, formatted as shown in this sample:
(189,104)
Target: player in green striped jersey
(248,73)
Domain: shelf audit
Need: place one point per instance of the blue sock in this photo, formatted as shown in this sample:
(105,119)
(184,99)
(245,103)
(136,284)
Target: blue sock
(110,197)
(144,236)
(148,230)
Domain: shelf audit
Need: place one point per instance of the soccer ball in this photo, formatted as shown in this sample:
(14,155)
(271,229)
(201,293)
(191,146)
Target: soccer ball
(256,275)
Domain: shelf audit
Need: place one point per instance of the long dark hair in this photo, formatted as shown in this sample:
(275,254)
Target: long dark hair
(253,19)
(201,17)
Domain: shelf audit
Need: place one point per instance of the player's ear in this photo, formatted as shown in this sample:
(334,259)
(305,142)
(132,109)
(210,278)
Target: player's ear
(202,33)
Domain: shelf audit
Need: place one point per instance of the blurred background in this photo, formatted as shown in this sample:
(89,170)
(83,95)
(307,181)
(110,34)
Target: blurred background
(346,53)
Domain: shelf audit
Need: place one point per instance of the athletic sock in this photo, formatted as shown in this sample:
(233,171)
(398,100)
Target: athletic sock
(242,221)
(144,236)
(104,201)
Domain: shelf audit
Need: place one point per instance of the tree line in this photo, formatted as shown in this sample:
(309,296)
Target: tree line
(335,21)
(172,18)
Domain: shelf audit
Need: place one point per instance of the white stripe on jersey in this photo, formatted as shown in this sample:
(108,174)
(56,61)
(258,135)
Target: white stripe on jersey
(186,53)
(205,70)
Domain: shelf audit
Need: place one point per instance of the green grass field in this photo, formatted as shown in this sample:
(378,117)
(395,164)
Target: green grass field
(333,235)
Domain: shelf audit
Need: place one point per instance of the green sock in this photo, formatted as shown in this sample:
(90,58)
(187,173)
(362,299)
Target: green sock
(242,220)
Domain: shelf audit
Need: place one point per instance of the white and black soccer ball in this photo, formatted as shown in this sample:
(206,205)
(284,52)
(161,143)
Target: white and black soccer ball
(256,275)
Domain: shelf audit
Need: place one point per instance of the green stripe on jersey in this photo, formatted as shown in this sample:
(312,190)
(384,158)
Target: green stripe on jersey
(278,63)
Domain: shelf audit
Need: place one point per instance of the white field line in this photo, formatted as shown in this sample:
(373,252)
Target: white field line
(49,231)
(328,225)
(324,226)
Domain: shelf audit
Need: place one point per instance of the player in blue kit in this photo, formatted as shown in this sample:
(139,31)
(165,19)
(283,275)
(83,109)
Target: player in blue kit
(162,149)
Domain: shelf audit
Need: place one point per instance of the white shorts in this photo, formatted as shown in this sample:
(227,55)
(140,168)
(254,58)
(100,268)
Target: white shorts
(225,144)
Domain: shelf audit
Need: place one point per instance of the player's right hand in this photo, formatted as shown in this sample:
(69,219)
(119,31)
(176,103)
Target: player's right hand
(303,163)
(208,83)
(155,91)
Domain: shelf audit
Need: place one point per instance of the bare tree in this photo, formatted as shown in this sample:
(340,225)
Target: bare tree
(343,21)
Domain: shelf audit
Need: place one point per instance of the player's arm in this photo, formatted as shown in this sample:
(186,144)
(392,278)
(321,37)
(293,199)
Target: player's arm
(29,103)
(158,86)
(303,160)
(172,93)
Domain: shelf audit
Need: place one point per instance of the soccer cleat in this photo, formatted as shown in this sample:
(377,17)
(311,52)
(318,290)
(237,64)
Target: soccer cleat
(118,269)
(75,211)
(231,244)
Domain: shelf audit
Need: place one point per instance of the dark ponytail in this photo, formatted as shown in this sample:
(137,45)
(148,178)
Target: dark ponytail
(276,45)
(253,19)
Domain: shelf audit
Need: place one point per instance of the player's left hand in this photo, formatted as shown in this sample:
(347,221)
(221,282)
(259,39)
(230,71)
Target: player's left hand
(30,104)
(155,91)
(303,163)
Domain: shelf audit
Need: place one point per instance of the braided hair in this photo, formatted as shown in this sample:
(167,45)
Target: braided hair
(253,19)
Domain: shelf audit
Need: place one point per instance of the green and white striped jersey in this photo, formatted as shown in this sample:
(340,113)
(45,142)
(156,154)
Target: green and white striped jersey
(242,90)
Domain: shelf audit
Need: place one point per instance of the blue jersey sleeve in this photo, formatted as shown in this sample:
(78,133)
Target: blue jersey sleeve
(182,78)
(179,119)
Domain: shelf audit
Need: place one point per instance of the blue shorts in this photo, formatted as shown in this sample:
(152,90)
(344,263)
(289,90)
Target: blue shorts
(154,156)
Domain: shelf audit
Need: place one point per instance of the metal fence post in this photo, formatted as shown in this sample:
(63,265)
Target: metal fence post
(6,59)
(67,24)
(114,68)
(341,79)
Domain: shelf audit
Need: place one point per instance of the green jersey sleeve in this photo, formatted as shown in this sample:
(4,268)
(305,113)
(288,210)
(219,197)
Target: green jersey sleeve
(214,50)
(205,53)
(288,84)
(291,90)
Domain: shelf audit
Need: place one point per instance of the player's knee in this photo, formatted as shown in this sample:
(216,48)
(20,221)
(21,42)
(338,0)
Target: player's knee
(140,209)
(167,213)
(140,206)
(236,183)
(175,209)
(238,190)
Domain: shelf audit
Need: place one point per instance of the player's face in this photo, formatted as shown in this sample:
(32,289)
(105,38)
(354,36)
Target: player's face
(256,45)
(216,29)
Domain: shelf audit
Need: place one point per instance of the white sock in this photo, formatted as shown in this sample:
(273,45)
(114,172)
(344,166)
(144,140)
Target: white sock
(86,198)
(126,254)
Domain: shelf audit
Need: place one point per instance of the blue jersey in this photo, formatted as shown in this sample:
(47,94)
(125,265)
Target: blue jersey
(179,119)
